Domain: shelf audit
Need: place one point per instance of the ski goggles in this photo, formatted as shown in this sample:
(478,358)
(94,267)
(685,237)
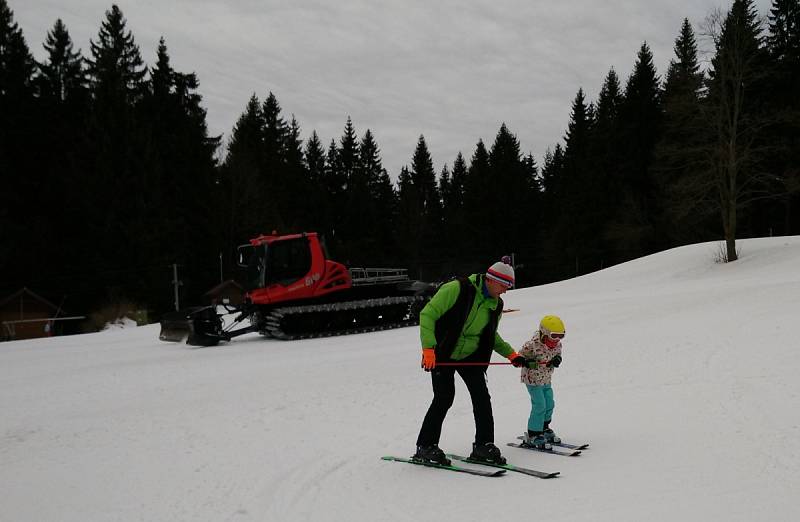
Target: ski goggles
(556,336)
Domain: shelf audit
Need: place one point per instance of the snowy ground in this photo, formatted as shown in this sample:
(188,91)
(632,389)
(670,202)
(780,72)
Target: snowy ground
(682,373)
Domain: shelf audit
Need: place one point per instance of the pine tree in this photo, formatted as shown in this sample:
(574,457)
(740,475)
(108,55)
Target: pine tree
(477,184)
(509,202)
(783,39)
(409,221)
(347,168)
(178,182)
(341,161)
(634,233)
(377,225)
(20,249)
(428,206)
(551,170)
(576,152)
(62,77)
(357,211)
(446,190)
(60,119)
(783,44)
(370,166)
(162,76)
(116,69)
(315,158)
(298,184)
(577,227)
(16,62)
(424,177)
(343,164)
(404,183)
(680,154)
(735,105)
(684,77)
(116,75)
(452,189)
(419,219)
(459,179)
(17,68)
(241,176)
(606,152)
(314,155)
(275,178)
(387,204)
(532,172)
(158,193)
(334,191)
(551,263)
(197,168)
(608,103)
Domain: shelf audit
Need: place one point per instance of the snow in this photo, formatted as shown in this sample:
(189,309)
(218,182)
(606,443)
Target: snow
(681,373)
(120,323)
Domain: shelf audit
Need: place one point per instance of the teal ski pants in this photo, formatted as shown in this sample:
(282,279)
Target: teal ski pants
(542,405)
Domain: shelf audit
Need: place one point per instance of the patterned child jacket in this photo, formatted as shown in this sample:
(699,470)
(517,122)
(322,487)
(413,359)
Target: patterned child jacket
(537,350)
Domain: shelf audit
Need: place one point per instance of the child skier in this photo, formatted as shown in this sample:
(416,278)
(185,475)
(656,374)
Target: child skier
(543,354)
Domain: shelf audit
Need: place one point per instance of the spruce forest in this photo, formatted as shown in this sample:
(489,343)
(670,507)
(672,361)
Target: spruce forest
(110,177)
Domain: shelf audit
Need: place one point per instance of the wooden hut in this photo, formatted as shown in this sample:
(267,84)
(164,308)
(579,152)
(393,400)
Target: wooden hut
(26,315)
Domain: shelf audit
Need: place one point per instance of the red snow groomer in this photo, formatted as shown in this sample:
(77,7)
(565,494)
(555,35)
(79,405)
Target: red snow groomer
(292,291)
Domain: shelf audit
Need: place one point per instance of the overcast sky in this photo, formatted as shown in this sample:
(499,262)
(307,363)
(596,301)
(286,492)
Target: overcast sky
(450,70)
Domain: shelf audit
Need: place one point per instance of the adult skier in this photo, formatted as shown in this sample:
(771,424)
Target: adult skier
(459,325)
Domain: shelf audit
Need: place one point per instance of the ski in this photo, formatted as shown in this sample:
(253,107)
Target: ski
(573,453)
(564,444)
(509,467)
(479,472)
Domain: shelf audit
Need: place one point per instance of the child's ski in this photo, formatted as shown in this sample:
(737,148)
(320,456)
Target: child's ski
(573,453)
(479,472)
(564,444)
(509,467)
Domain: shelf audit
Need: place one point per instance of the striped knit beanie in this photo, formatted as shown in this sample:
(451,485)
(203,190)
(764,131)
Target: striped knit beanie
(501,273)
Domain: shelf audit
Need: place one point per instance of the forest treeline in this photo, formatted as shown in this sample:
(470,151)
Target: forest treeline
(109,174)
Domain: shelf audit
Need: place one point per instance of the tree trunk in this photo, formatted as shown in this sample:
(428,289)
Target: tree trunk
(731,200)
(730,233)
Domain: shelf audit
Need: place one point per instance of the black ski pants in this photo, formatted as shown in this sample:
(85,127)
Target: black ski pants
(444,391)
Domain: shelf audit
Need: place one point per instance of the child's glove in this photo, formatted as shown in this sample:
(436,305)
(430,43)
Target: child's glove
(555,362)
(518,361)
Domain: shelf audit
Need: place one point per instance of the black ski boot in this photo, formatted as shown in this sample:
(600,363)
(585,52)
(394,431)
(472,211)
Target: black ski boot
(536,439)
(550,434)
(431,453)
(487,452)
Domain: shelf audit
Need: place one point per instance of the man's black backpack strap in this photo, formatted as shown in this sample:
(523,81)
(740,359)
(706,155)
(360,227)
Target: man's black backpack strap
(486,342)
(449,326)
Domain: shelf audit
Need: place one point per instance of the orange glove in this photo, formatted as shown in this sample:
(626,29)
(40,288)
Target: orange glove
(428,359)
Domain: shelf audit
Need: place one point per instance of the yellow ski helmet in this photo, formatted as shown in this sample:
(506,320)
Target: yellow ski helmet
(552,324)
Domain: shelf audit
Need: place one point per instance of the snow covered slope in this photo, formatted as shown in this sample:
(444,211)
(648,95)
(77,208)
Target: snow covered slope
(682,373)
